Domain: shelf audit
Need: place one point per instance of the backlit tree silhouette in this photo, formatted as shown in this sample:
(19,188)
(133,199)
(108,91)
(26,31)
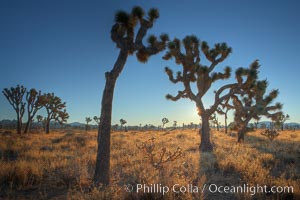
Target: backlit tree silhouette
(122,122)
(164,121)
(123,34)
(187,53)
(55,109)
(252,104)
(34,104)
(87,120)
(15,99)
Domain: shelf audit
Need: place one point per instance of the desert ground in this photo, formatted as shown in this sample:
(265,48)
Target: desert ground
(60,165)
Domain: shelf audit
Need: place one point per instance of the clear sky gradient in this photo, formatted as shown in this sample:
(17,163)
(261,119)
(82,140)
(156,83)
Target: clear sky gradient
(64,46)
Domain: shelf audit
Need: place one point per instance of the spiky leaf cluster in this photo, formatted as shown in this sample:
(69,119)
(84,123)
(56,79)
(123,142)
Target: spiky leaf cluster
(124,36)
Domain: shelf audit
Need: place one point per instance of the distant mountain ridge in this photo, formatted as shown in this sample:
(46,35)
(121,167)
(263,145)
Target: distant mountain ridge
(268,124)
(10,123)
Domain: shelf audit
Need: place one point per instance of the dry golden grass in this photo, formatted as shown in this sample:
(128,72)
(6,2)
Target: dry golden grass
(60,165)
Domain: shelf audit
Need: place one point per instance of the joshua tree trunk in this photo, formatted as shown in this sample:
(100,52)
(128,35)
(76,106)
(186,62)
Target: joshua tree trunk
(205,145)
(19,124)
(241,135)
(242,130)
(47,127)
(103,154)
(225,123)
(27,126)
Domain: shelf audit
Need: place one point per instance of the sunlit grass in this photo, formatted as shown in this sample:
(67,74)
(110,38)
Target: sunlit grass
(61,164)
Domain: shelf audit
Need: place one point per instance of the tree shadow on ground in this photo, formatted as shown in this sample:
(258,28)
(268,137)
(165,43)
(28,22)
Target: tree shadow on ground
(210,176)
(284,164)
(285,154)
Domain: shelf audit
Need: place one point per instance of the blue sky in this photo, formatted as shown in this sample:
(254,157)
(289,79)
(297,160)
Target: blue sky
(64,46)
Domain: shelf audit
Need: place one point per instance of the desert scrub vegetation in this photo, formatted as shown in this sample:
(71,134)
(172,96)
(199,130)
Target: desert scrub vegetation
(61,165)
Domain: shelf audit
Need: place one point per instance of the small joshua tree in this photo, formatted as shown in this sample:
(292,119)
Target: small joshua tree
(214,119)
(164,121)
(271,134)
(34,104)
(97,120)
(224,111)
(87,120)
(158,158)
(15,99)
(256,123)
(280,120)
(40,119)
(175,124)
(123,34)
(55,108)
(122,122)
(187,53)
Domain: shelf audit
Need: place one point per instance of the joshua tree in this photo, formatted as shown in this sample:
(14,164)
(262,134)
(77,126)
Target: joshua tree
(122,122)
(215,120)
(34,103)
(87,120)
(281,119)
(256,123)
(15,98)
(40,119)
(97,120)
(115,127)
(270,133)
(164,121)
(224,111)
(123,34)
(252,104)
(55,108)
(203,76)
(175,124)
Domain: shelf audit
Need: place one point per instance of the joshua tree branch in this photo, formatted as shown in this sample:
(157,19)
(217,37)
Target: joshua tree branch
(181,94)
(188,90)
(169,72)
(145,25)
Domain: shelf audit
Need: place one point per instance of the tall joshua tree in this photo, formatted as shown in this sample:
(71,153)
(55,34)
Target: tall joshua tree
(123,34)
(55,108)
(192,72)
(252,104)
(15,99)
(203,76)
(34,103)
